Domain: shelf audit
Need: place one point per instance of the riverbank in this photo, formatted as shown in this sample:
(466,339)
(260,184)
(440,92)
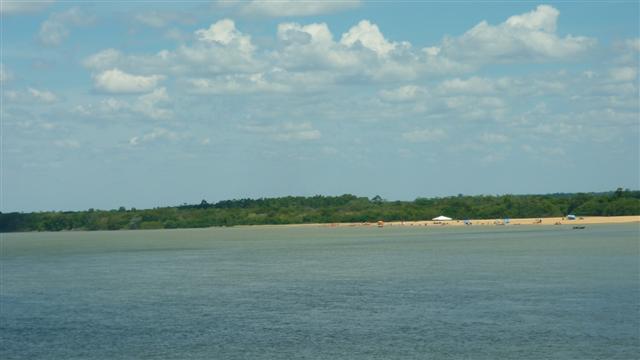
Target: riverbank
(585,220)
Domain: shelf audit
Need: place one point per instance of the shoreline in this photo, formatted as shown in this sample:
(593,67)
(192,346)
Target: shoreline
(549,221)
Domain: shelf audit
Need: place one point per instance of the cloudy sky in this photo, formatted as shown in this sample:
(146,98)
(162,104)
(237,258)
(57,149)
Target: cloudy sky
(131,104)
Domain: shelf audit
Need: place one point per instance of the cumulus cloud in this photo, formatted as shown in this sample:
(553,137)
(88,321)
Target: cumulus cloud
(55,29)
(221,59)
(118,81)
(21,7)
(282,8)
(218,49)
(525,37)
(311,46)
(369,36)
(224,32)
(317,33)
(424,135)
(543,18)
(362,52)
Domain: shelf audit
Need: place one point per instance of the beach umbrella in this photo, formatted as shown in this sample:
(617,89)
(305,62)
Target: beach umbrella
(441,218)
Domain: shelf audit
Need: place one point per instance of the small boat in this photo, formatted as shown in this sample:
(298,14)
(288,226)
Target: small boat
(578,227)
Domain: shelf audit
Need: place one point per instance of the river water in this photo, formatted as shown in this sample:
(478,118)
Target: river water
(510,292)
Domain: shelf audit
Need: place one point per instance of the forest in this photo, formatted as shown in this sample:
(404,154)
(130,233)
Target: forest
(327,209)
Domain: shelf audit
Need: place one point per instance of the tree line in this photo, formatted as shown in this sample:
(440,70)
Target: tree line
(327,209)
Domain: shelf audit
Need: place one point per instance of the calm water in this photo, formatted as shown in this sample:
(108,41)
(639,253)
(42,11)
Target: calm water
(323,293)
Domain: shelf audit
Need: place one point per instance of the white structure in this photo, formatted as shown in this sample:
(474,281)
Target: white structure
(442,218)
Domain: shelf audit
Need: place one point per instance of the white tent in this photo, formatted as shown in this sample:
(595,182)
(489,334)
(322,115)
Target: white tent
(442,218)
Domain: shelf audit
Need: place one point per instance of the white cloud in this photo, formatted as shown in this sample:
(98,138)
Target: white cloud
(363,53)
(629,48)
(627,52)
(626,73)
(288,131)
(543,18)
(369,36)
(117,81)
(403,93)
(157,134)
(633,44)
(544,151)
(311,47)
(283,8)
(31,96)
(236,84)
(472,85)
(5,75)
(425,135)
(558,128)
(224,32)
(11,7)
(221,59)
(293,131)
(44,96)
(526,37)
(104,59)
(55,29)
(318,33)
(150,104)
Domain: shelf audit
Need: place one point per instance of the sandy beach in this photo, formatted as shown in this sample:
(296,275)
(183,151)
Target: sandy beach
(579,221)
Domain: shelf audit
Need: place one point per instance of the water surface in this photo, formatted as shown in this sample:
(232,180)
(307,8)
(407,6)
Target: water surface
(323,293)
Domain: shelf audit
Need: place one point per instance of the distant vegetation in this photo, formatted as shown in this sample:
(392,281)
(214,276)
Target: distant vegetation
(327,209)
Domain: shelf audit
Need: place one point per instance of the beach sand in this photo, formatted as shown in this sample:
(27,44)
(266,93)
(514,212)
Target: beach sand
(579,221)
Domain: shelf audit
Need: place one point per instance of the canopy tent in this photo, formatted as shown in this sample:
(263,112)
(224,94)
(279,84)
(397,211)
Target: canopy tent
(442,218)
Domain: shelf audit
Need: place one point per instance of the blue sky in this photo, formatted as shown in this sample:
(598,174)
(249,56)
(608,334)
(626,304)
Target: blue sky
(135,104)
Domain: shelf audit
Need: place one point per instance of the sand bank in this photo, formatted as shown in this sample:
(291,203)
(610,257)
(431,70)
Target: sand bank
(584,220)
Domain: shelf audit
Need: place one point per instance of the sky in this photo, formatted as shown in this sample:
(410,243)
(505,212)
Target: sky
(141,104)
